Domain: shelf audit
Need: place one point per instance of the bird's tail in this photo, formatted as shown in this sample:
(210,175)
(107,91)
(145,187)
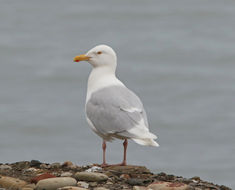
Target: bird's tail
(146,142)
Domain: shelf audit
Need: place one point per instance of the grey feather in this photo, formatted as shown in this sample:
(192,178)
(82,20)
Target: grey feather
(107,109)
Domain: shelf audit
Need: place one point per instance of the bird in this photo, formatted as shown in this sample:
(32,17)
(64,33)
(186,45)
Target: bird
(112,110)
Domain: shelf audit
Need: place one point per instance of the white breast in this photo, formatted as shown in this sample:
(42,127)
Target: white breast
(100,78)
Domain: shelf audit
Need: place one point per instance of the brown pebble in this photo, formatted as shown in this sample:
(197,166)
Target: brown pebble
(124,176)
(67,164)
(40,177)
(11,183)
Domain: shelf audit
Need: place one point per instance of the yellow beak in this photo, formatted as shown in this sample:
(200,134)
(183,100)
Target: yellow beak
(81,58)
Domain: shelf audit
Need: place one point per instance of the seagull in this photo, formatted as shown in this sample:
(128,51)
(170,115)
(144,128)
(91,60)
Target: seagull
(112,110)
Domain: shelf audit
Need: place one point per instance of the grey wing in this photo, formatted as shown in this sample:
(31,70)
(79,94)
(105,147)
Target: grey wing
(115,110)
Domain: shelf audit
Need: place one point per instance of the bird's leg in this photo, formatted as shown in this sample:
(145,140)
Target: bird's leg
(104,149)
(125,143)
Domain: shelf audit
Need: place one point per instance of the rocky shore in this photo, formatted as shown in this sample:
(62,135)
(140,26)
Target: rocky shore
(30,175)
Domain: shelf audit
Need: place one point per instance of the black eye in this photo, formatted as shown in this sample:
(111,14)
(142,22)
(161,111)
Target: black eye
(99,52)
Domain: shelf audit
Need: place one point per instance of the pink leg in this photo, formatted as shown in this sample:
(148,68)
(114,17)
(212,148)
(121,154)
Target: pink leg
(125,143)
(104,164)
(104,150)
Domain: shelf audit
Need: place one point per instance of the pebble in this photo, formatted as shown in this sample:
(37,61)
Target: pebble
(54,183)
(35,163)
(161,185)
(55,165)
(100,188)
(82,184)
(135,181)
(94,169)
(11,183)
(45,166)
(22,165)
(71,188)
(139,188)
(109,183)
(124,176)
(91,176)
(31,170)
(66,174)
(93,184)
(41,177)
(67,164)
(31,185)
(5,167)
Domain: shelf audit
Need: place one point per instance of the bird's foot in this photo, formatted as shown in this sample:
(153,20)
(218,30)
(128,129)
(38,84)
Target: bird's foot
(107,165)
(121,164)
(103,165)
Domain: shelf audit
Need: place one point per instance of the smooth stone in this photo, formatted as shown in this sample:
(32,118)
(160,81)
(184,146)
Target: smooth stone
(125,176)
(66,174)
(94,169)
(41,177)
(45,166)
(100,188)
(30,185)
(5,167)
(82,184)
(139,188)
(67,164)
(35,163)
(109,183)
(71,188)
(161,185)
(55,165)
(11,183)
(90,176)
(135,181)
(22,165)
(55,183)
(93,184)
(32,170)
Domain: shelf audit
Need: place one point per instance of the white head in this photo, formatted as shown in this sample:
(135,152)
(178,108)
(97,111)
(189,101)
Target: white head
(99,56)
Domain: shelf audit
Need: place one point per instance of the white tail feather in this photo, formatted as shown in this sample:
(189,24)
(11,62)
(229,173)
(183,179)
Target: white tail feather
(146,142)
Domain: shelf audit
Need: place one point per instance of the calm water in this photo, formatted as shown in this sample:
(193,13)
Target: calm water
(178,56)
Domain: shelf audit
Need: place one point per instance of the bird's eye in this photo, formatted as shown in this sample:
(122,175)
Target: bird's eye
(99,52)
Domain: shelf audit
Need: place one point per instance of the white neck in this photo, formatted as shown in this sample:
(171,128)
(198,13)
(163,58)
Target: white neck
(101,77)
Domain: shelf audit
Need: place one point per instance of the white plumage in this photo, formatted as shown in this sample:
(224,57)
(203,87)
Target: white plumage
(113,111)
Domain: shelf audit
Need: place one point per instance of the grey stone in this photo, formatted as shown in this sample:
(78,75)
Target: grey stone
(91,176)
(35,163)
(5,167)
(66,174)
(55,183)
(135,181)
(93,184)
(82,184)
(45,166)
(55,165)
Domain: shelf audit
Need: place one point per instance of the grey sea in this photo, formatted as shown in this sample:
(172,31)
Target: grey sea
(178,56)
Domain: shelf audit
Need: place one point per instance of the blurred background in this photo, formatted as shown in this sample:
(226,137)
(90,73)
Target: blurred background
(178,56)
